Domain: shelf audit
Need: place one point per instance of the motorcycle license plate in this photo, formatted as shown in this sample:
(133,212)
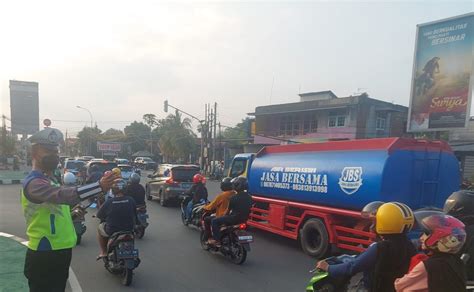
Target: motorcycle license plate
(127,254)
(245,238)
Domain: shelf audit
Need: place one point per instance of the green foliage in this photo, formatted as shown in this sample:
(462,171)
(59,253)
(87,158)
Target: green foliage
(137,133)
(177,141)
(88,138)
(239,134)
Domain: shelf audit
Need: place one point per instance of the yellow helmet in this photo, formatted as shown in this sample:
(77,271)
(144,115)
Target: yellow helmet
(394,218)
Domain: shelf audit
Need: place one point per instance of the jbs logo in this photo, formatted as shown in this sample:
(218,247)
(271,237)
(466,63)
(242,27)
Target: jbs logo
(351,179)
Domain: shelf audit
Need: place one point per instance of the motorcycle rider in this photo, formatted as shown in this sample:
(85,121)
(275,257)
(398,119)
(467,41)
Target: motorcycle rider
(384,260)
(135,190)
(94,174)
(117,214)
(443,269)
(460,205)
(69,179)
(238,211)
(220,204)
(198,192)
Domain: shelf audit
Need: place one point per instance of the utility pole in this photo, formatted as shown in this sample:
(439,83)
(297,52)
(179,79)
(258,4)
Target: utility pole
(204,160)
(211,141)
(214,141)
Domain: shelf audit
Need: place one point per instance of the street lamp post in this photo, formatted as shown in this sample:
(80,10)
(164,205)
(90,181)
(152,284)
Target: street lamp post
(90,114)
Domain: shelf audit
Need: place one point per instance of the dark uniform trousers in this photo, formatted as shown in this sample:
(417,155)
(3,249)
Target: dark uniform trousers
(47,271)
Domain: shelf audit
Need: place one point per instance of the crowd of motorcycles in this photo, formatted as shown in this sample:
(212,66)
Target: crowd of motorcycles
(122,256)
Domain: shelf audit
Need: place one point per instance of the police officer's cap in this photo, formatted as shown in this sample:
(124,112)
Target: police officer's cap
(48,138)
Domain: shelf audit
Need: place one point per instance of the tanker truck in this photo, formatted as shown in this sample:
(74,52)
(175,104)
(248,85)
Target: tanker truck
(314,192)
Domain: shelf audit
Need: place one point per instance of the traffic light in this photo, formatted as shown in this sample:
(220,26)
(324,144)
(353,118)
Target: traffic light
(166,106)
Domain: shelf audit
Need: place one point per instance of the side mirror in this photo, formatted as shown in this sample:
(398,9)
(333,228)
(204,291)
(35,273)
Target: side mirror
(150,176)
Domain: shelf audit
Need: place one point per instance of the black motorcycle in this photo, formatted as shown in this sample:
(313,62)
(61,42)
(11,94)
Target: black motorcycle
(122,256)
(235,242)
(78,213)
(142,223)
(196,213)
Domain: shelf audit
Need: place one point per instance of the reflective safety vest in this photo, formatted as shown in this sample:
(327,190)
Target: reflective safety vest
(48,226)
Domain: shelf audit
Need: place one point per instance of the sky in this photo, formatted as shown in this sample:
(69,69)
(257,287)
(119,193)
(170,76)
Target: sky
(122,59)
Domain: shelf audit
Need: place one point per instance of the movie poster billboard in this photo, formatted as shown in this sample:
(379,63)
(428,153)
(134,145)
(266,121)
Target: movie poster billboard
(442,75)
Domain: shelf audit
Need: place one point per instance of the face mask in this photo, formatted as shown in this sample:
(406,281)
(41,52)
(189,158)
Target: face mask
(49,162)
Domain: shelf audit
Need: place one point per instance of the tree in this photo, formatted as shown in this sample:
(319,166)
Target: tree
(150,120)
(113,135)
(239,134)
(136,134)
(88,138)
(176,139)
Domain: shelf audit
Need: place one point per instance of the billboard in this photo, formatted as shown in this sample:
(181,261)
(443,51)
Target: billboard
(24,107)
(109,147)
(442,74)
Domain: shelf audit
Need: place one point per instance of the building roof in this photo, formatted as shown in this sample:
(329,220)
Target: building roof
(327,104)
(318,93)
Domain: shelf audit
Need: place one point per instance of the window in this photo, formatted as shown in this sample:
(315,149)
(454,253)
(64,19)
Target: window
(380,124)
(380,121)
(293,125)
(238,167)
(336,121)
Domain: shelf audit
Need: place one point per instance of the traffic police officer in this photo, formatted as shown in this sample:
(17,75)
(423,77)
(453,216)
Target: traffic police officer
(46,207)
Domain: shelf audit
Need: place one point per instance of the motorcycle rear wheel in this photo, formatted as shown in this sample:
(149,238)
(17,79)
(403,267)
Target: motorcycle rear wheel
(238,253)
(127,277)
(204,239)
(140,232)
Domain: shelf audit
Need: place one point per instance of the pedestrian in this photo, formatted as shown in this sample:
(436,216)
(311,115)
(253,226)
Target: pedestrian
(46,207)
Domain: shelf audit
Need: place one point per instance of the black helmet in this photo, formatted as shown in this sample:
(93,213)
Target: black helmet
(135,178)
(226,184)
(461,205)
(240,184)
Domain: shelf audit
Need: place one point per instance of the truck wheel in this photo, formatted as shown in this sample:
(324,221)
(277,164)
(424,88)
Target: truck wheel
(314,238)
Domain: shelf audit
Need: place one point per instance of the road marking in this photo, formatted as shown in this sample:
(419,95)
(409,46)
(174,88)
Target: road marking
(75,287)
(73,282)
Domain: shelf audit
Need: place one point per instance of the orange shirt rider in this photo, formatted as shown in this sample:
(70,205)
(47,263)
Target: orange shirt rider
(220,204)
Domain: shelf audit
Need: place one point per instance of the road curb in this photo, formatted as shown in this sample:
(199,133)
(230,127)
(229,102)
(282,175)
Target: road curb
(73,282)
(10,181)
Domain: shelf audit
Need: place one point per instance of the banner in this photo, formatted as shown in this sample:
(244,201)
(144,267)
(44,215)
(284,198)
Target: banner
(109,147)
(442,69)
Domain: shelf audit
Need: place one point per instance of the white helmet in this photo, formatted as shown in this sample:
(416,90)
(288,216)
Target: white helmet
(69,179)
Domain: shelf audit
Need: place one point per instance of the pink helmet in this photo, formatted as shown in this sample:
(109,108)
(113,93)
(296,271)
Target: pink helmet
(445,233)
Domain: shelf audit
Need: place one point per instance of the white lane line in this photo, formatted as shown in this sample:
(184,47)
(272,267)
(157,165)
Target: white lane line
(73,282)
(75,287)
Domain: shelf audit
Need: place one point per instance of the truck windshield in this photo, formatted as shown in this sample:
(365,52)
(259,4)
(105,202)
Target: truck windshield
(238,167)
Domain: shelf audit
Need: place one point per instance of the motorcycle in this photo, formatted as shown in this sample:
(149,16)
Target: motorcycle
(321,281)
(235,242)
(122,256)
(196,213)
(78,213)
(142,223)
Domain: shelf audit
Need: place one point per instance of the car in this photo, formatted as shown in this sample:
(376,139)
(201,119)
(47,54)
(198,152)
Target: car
(62,160)
(102,165)
(85,158)
(169,182)
(145,163)
(121,161)
(75,167)
(127,171)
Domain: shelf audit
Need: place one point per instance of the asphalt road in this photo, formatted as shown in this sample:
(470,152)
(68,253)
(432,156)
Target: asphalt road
(172,259)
